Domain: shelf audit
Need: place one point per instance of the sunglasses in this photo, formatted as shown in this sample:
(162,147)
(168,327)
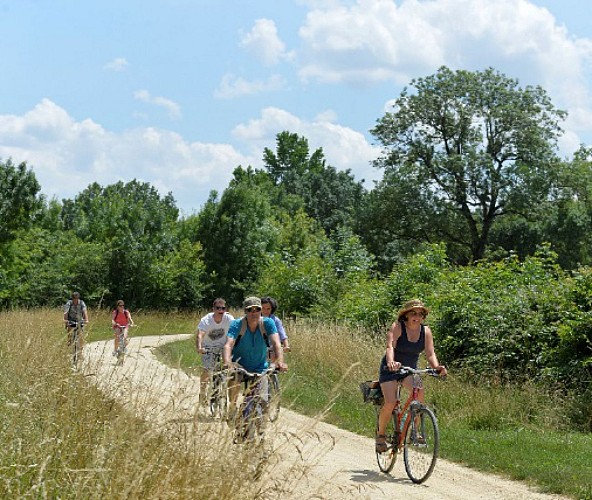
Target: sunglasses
(221,308)
(416,313)
(253,309)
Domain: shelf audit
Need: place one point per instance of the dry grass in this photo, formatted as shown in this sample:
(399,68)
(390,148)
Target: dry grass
(64,438)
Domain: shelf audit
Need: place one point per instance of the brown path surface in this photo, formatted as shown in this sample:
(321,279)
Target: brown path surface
(321,460)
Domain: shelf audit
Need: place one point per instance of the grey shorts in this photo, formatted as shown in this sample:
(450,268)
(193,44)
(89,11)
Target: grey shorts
(211,360)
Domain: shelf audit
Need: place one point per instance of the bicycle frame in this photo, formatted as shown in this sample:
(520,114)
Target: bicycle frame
(251,410)
(401,413)
(218,385)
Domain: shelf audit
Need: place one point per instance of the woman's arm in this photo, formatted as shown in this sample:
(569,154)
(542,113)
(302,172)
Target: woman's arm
(391,342)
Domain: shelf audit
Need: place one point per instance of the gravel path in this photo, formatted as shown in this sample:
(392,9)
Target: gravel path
(318,460)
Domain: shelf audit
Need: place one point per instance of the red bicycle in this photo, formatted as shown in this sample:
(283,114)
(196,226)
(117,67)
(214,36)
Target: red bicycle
(412,428)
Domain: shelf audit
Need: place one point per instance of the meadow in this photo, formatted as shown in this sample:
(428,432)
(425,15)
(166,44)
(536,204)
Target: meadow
(63,438)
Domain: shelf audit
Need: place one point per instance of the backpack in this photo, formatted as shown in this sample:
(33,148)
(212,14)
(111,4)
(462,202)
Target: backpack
(243,329)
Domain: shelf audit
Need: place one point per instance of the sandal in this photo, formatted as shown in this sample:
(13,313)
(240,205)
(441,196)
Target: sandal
(381,445)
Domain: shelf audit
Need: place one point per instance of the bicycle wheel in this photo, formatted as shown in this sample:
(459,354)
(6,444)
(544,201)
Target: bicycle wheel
(218,396)
(274,397)
(76,347)
(245,425)
(121,348)
(386,460)
(422,441)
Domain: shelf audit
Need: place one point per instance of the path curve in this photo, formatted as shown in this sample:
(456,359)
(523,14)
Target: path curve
(335,463)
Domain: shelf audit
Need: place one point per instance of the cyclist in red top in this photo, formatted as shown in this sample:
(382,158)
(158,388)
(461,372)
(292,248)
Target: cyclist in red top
(120,317)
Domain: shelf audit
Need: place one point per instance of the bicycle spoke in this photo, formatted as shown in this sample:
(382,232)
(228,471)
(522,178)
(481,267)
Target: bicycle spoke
(386,461)
(422,442)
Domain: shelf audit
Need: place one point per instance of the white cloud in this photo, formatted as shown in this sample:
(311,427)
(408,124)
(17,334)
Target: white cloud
(264,43)
(372,41)
(117,64)
(66,156)
(232,86)
(343,147)
(172,108)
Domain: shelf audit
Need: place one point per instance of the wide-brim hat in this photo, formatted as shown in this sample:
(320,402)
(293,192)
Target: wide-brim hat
(251,302)
(410,305)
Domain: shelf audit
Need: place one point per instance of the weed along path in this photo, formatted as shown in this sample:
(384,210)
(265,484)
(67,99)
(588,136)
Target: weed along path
(308,458)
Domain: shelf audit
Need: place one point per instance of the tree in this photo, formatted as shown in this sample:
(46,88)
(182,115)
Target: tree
(463,149)
(237,234)
(19,203)
(329,196)
(137,228)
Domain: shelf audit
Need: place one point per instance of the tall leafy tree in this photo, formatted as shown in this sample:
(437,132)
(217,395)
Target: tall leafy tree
(237,234)
(19,198)
(137,227)
(304,180)
(462,149)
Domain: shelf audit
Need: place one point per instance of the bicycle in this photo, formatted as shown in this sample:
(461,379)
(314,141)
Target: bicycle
(75,340)
(413,428)
(274,392)
(248,424)
(218,387)
(121,344)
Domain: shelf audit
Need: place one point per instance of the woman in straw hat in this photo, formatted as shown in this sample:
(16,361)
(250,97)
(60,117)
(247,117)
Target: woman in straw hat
(407,338)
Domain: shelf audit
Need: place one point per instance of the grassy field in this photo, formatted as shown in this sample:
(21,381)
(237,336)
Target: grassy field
(62,438)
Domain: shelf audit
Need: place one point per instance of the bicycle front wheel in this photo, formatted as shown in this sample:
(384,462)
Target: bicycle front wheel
(218,396)
(422,442)
(76,347)
(386,460)
(274,397)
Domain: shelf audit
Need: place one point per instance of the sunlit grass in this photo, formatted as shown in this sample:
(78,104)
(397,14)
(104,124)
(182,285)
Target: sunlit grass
(64,438)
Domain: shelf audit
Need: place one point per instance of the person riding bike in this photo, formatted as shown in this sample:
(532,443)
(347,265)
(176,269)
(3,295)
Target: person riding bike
(211,337)
(406,339)
(268,308)
(120,317)
(74,311)
(246,345)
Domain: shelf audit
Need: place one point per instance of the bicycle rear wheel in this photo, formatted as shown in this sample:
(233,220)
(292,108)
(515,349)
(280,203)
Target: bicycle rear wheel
(422,442)
(386,460)
(274,397)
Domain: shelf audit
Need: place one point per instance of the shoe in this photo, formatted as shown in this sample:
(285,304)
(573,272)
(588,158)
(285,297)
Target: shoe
(381,445)
(114,353)
(419,439)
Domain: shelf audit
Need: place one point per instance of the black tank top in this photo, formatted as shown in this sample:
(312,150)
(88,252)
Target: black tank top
(406,352)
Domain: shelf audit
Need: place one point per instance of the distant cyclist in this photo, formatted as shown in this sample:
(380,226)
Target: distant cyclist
(120,317)
(210,339)
(268,308)
(74,311)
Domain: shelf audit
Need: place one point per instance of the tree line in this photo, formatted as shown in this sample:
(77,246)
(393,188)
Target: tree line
(469,164)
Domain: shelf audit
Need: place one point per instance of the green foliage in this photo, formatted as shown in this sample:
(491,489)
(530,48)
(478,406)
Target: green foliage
(332,198)
(237,233)
(19,200)
(463,149)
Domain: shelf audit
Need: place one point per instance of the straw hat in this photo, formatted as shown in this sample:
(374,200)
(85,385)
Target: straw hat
(409,306)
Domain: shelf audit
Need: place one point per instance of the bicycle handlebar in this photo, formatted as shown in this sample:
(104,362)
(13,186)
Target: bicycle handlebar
(407,370)
(238,368)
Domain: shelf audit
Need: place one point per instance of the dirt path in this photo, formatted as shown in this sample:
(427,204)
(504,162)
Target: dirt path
(333,463)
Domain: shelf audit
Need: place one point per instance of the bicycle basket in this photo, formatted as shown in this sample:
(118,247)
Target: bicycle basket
(371,392)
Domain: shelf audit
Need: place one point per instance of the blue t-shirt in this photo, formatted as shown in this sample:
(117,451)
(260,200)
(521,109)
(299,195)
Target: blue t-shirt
(251,352)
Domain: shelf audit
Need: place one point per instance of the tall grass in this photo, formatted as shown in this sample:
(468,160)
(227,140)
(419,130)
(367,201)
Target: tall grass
(64,438)
(521,431)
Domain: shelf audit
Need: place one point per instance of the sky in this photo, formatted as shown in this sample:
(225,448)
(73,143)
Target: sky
(178,93)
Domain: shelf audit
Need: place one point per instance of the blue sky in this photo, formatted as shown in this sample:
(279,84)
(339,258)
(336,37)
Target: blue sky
(178,93)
